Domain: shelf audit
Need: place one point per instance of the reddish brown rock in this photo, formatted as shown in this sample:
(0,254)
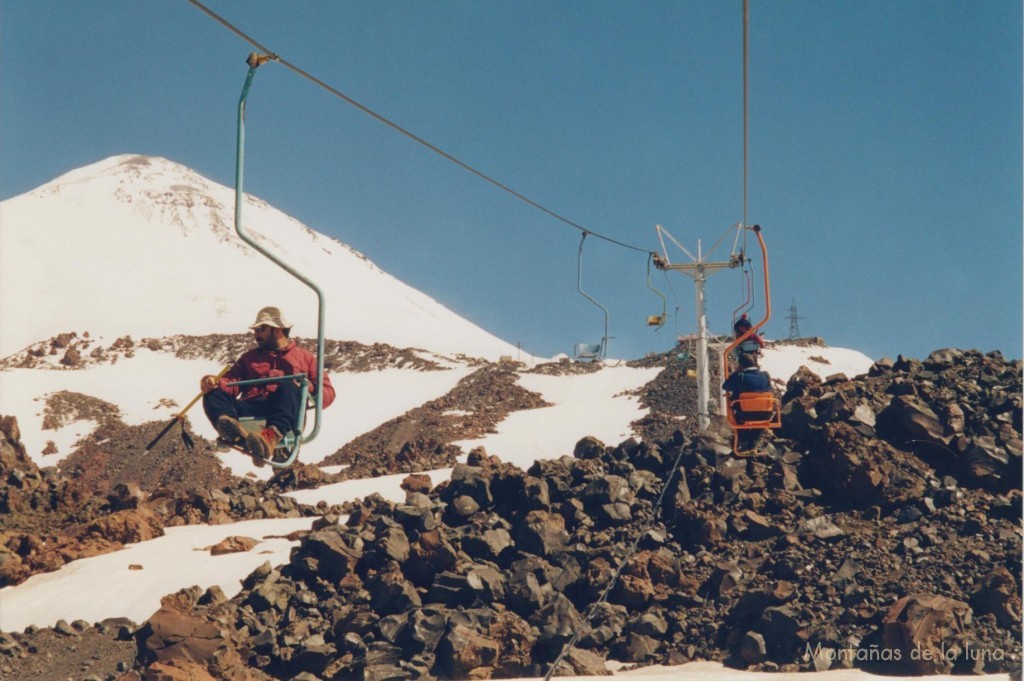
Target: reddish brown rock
(927,630)
(176,670)
(127,527)
(234,544)
(417,482)
(1000,597)
(464,653)
(180,637)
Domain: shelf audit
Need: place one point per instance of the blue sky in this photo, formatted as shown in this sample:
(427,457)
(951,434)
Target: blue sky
(884,148)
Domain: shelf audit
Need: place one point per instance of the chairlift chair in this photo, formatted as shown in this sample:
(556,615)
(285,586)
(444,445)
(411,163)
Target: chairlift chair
(752,410)
(758,410)
(657,320)
(587,351)
(287,449)
(591,351)
(765,405)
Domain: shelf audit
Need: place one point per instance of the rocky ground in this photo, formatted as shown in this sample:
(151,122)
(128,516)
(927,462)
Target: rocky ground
(671,398)
(419,440)
(73,651)
(879,528)
(77,350)
(107,495)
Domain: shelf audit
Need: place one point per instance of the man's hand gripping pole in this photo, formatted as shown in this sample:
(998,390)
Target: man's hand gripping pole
(180,418)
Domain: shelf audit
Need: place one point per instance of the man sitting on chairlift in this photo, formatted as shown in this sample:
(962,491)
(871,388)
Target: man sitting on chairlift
(748,379)
(279,403)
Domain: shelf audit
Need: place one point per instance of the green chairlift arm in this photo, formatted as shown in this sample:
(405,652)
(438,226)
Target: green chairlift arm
(579,287)
(254,61)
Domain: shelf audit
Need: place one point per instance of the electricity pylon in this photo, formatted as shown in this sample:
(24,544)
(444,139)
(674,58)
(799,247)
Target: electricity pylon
(794,324)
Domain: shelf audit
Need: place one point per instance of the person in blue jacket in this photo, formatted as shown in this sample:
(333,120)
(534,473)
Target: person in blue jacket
(749,378)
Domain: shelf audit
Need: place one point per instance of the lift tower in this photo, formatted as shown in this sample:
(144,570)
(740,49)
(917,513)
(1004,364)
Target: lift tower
(699,269)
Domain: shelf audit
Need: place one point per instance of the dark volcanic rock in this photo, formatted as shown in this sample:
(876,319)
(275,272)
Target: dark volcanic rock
(884,516)
(418,440)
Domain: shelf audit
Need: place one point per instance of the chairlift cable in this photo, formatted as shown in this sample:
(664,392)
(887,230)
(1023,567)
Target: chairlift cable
(746,116)
(747,284)
(394,126)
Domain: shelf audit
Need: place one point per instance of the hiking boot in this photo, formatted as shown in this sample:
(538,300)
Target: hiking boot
(230,431)
(261,445)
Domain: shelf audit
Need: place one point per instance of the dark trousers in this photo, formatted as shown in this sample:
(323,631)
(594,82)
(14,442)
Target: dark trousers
(748,439)
(280,409)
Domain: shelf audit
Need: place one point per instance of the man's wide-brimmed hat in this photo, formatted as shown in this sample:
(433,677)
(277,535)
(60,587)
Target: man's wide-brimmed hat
(271,316)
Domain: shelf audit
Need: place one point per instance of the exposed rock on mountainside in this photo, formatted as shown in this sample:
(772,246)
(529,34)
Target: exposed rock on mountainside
(32,498)
(110,492)
(566,368)
(880,528)
(420,439)
(765,562)
(75,650)
(491,573)
(72,350)
(959,412)
(63,407)
(47,519)
(671,399)
(338,355)
(117,455)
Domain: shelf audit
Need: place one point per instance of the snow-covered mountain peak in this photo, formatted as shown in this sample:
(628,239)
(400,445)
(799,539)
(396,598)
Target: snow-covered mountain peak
(145,246)
(148,173)
(159,190)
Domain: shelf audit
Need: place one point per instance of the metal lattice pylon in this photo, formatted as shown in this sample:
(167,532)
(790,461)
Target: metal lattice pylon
(794,323)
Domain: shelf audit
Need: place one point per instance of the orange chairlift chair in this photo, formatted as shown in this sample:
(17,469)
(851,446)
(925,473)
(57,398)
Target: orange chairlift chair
(752,410)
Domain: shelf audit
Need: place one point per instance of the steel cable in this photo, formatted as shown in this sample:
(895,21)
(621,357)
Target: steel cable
(394,126)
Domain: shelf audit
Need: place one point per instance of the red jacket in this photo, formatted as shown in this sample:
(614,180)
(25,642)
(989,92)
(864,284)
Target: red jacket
(259,363)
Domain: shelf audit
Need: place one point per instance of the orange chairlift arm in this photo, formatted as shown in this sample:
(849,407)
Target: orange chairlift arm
(766,403)
(748,300)
(767,303)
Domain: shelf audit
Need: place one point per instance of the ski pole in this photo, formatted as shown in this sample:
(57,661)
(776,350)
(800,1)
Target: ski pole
(181,414)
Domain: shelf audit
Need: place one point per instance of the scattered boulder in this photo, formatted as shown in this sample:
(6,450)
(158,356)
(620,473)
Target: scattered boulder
(928,631)
(233,544)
